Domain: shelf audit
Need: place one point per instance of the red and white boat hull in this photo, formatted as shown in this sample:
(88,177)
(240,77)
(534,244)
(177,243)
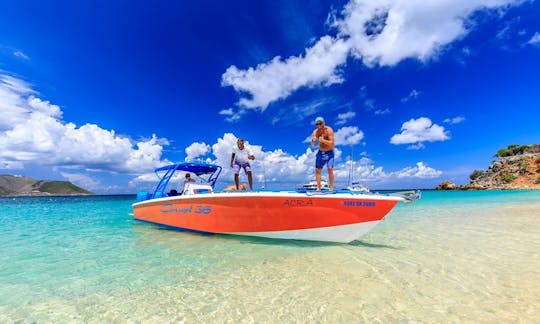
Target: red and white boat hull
(334,217)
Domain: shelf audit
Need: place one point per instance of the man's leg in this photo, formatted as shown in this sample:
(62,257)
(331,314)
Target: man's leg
(331,178)
(318,178)
(236,181)
(250,180)
(236,168)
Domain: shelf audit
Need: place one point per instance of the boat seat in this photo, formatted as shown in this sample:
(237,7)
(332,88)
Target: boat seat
(159,194)
(196,189)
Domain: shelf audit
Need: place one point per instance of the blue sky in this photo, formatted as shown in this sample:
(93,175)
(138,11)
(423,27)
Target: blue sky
(101,93)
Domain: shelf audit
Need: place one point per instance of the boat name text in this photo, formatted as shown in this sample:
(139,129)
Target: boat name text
(297,202)
(197,209)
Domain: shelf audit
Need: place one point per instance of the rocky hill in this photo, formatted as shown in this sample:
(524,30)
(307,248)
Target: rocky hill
(24,186)
(516,167)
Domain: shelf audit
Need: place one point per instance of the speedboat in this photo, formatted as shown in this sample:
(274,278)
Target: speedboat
(333,216)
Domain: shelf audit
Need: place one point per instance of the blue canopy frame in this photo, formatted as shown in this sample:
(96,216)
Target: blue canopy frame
(199,169)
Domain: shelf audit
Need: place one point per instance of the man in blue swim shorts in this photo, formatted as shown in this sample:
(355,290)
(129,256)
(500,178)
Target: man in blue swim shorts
(325,135)
(240,160)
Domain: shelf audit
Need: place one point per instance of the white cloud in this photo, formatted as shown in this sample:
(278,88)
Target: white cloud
(418,131)
(411,96)
(343,118)
(82,180)
(349,135)
(278,78)
(21,55)
(417,146)
(227,112)
(535,39)
(11,165)
(365,171)
(388,31)
(379,33)
(232,115)
(196,149)
(32,131)
(384,111)
(419,171)
(455,120)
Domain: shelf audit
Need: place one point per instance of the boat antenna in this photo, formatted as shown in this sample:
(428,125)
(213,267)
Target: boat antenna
(351,169)
(264,174)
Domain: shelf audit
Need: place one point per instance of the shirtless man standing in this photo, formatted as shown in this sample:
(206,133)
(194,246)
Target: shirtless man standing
(325,155)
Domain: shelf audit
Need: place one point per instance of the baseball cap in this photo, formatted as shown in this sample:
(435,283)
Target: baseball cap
(319,119)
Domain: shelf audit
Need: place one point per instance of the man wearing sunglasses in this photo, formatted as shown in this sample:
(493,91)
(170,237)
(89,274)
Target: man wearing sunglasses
(325,135)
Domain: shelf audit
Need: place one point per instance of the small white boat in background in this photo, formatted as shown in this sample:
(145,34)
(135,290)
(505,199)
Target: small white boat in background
(312,185)
(357,187)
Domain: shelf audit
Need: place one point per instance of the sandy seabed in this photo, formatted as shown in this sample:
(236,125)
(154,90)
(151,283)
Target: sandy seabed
(481,267)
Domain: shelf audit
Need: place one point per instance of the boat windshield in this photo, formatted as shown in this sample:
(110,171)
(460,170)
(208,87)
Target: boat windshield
(208,173)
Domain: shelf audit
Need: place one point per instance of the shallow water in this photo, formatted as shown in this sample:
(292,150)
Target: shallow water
(450,257)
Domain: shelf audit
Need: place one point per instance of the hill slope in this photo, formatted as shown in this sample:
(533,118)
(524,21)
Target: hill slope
(24,186)
(517,167)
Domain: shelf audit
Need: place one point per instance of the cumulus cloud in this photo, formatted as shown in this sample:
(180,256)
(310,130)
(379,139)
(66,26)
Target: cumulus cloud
(349,135)
(196,149)
(379,33)
(32,131)
(82,180)
(419,171)
(278,78)
(366,172)
(416,131)
(389,31)
(279,169)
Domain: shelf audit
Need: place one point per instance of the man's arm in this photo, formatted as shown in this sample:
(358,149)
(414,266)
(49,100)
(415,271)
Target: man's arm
(232,159)
(313,138)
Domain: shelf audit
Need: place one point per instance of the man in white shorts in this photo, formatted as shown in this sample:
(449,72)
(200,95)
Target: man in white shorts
(240,160)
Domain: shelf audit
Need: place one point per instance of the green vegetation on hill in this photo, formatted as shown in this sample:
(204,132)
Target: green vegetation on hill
(515,149)
(61,187)
(11,185)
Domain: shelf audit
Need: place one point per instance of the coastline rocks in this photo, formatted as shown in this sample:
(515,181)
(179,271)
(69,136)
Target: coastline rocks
(512,172)
(446,185)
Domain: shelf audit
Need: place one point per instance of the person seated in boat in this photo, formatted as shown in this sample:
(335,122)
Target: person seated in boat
(240,157)
(188,178)
(172,193)
(187,181)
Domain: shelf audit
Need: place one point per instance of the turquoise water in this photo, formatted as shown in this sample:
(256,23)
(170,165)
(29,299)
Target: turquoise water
(452,256)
